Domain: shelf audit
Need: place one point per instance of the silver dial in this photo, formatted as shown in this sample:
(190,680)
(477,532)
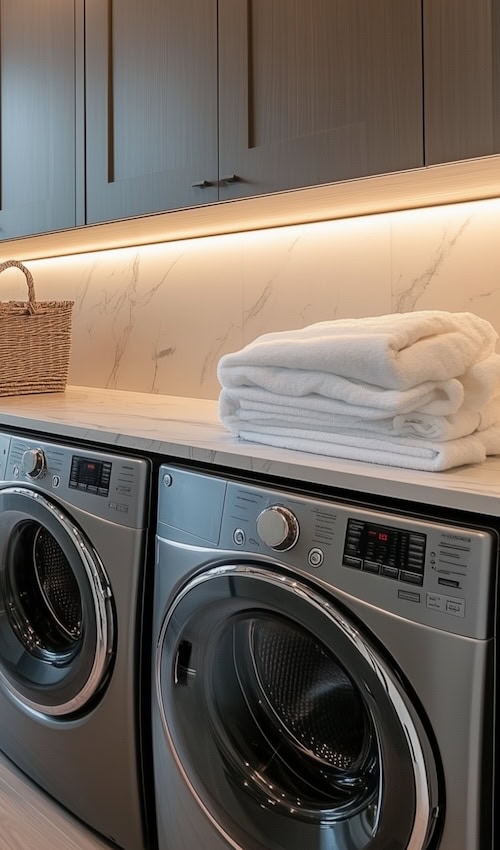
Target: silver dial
(34,463)
(278,528)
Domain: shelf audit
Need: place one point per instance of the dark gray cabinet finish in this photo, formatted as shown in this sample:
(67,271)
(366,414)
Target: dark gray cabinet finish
(185,103)
(151,106)
(317,92)
(461,79)
(307,93)
(37,119)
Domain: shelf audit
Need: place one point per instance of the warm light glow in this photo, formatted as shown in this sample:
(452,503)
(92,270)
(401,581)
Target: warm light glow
(453,183)
(440,216)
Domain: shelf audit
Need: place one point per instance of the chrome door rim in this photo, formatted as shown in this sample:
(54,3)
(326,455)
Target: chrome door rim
(395,693)
(100,593)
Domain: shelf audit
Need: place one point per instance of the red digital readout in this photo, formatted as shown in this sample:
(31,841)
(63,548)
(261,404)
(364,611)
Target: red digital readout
(378,536)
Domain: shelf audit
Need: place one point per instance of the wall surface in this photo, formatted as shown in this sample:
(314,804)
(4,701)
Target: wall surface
(158,318)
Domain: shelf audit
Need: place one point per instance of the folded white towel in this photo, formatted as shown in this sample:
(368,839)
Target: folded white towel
(442,428)
(287,393)
(237,413)
(481,382)
(334,394)
(403,452)
(490,439)
(395,351)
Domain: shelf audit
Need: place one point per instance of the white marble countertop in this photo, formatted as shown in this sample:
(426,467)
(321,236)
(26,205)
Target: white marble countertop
(176,428)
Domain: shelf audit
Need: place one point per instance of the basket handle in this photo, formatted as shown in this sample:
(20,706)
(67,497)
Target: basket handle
(7,264)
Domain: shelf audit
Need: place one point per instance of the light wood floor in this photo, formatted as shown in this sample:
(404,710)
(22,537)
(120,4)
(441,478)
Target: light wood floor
(31,820)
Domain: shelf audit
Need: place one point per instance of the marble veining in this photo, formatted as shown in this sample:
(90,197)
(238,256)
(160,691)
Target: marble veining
(259,304)
(157,356)
(449,256)
(158,318)
(406,300)
(209,365)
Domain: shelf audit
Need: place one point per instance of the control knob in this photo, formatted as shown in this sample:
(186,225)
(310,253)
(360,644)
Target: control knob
(278,528)
(34,463)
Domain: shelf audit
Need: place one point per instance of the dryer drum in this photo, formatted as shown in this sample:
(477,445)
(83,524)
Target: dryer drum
(43,601)
(301,734)
(56,608)
(57,582)
(317,704)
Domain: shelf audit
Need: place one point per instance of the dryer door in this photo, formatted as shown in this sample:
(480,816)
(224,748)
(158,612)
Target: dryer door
(56,621)
(289,727)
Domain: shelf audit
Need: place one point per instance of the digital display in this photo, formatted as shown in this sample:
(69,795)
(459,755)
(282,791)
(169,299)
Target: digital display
(377,535)
(90,475)
(88,471)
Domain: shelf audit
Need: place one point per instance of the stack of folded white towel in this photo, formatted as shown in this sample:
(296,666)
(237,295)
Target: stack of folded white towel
(419,390)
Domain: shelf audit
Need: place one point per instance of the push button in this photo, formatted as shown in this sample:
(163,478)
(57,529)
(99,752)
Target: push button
(352,562)
(315,557)
(371,566)
(455,607)
(239,536)
(411,578)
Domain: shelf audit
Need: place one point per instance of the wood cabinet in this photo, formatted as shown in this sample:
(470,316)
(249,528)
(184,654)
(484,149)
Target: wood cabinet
(461,79)
(112,109)
(151,106)
(317,92)
(307,93)
(37,118)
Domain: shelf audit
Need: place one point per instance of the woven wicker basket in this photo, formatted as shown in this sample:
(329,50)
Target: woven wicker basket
(35,342)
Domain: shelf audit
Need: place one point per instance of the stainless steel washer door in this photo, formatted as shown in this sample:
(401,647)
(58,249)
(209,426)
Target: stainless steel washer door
(56,618)
(288,726)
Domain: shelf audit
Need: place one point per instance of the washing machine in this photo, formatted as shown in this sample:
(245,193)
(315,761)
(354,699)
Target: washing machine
(73,543)
(324,672)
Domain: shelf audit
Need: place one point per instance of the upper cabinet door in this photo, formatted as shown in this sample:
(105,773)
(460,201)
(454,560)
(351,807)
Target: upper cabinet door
(37,118)
(151,106)
(462,79)
(318,91)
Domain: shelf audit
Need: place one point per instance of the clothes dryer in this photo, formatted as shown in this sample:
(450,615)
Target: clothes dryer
(73,541)
(323,672)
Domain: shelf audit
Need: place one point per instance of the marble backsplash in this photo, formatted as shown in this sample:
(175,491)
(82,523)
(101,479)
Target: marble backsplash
(158,318)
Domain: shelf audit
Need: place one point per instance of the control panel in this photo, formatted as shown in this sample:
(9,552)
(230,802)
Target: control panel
(382,550)
(438,574)
(111,486)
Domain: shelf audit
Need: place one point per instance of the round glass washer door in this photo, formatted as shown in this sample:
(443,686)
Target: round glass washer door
(56,617)
(288,726)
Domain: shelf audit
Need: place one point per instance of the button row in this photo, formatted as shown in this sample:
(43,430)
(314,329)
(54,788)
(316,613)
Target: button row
(89,488)
(387,570)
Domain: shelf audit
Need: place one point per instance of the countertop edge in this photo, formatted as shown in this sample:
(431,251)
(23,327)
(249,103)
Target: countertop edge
(180,430)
